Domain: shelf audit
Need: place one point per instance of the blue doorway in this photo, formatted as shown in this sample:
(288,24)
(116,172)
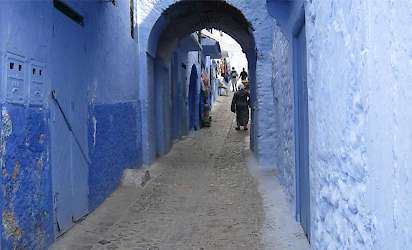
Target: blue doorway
(68,125)
(162,108)
(301,130)
(192,98)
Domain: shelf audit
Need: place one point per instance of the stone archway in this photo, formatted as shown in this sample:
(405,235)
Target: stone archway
(162,31)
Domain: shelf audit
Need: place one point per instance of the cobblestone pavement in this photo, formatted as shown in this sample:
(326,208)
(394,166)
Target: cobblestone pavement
(203,197)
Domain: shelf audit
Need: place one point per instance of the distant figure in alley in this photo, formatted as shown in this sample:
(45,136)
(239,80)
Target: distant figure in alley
(243,75)
(240,106)
(233,78)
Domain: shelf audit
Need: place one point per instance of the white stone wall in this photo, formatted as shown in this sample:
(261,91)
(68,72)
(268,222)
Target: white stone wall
(389,118)
(338,123)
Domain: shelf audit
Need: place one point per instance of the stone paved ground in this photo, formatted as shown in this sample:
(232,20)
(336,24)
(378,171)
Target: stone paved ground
(203,197)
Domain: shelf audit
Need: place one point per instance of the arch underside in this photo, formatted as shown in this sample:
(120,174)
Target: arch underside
(186,17)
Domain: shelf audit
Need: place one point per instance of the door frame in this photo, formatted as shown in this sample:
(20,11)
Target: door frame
(301,127)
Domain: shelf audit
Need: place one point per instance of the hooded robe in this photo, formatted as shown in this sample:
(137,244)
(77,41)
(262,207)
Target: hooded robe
(240,106)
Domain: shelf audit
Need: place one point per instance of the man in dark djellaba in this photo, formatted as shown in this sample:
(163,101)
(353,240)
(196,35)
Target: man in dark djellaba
(240,106)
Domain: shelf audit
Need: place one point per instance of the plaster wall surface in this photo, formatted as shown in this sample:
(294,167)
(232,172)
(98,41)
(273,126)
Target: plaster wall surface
(359,60)
(183,89)
(187,59)
(337,34)
(95,74)
(27,209)
(112,145)
(359,56)
(113,53)
(283,95)
(149,12)
(26,200)
(113,120)
(388,135)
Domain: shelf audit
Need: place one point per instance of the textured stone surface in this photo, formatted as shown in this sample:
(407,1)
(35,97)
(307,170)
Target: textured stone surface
(27,207)
(283,96)
(358,55)
(336,40)
(388,135)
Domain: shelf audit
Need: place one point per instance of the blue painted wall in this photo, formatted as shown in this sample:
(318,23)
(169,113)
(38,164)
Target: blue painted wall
(26,188)
(114,120)
(95,73)
(112,147)
(168,92)
(359,147)
(67,79)
(99,69)
(26,200)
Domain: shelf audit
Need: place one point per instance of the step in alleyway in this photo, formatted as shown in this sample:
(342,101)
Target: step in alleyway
(205,194)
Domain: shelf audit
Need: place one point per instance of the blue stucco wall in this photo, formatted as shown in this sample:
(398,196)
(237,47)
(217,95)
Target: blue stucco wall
(27,210)
(359,57)
(26,200)
(114,116)
(337,152)
(338,121)
(94,89)
(359,120)
(283,90)
(113,147)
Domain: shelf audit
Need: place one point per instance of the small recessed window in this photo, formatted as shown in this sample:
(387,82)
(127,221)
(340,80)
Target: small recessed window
(33,71)
(20,67)
(11,66)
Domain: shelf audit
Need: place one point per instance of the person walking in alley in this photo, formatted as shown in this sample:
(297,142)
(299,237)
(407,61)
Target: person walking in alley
(240,106)
(205,87)
(233,78)
(243,75)
(244,80)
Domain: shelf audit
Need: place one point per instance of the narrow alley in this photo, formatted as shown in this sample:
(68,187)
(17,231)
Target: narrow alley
(117,125)
(202,196)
